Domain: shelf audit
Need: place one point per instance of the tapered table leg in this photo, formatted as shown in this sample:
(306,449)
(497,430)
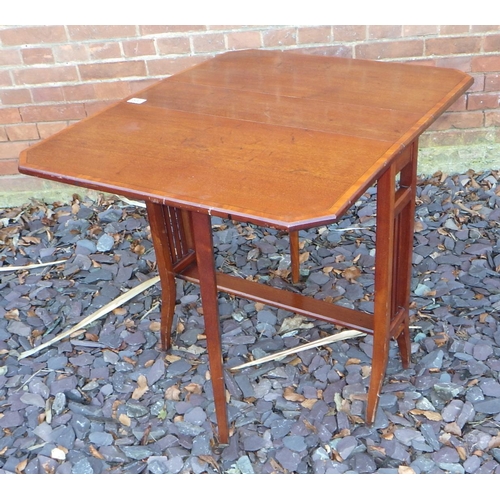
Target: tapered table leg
(384,265)
(159,233)
(202,231)
(404,251)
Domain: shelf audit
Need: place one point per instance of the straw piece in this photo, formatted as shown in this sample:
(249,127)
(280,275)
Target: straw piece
(5,269)
(347,334)
(94,316)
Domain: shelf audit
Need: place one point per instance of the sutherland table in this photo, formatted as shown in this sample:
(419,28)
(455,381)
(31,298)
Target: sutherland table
(273,138)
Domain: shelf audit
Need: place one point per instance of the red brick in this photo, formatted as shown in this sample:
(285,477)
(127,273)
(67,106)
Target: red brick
(478,85)
(330,51)
(384,31)
(135,48)
(15,96)
(349,33)
(53,112)
(461,120)
(453,29)
(99,71)
(5,78)
(74,52)
(79,92)
(492,82)
(484,28)
(22,132)
(52,74)
(491,43)
(452,45)
(243,40)
(153,30)
(315,34)
(451,137)
(173,45)
(46,129)
(483,101)
(10,150)
(279,37)
(422,62)
(10,57)
(463,63)
(47,94)
(492,118)
(169,66)
(10,115)
(104,50)
(112,90)
(9,167)
(24,35)
(37,55)
(3,134)
(420,30)
(94,107)
(228,27)
(390,50)
(460,104)
(485,63)
(100,32)
(139,85)
(212,42)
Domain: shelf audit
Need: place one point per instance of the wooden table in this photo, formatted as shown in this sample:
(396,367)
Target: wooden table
(273,138)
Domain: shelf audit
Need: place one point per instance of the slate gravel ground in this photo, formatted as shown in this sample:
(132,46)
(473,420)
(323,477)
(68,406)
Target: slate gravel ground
(107,401)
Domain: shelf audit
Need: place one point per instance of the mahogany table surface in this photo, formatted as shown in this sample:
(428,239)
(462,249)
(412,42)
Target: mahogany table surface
(277,138)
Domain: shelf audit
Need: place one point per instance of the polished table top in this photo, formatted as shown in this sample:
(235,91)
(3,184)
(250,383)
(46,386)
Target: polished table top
(276,138)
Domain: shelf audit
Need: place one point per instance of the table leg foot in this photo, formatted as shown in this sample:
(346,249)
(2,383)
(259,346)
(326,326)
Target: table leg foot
(208,287)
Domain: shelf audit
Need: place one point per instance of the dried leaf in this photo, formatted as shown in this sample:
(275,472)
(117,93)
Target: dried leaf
(405,469)
(431,415)
(462,452)
(3,450)
(210,461)
(142,387)
(308,403)
(494,442)
(21,466)
(13,314)
(155,326)
(303,257)
(193,388)
(95,453)
(290,395)
(171,358)
(172,393)
(124,419)
(352,361)
(351,273)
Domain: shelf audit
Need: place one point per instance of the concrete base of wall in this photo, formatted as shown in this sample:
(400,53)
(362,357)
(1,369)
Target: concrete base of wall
(16,190)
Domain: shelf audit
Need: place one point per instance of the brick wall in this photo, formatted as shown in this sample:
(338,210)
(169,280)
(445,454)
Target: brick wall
(51,76)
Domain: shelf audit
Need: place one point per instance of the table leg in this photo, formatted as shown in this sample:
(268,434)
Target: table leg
(159,222)
(202,231)
(294,255)
(404,251)
(394,244)
(384,259)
